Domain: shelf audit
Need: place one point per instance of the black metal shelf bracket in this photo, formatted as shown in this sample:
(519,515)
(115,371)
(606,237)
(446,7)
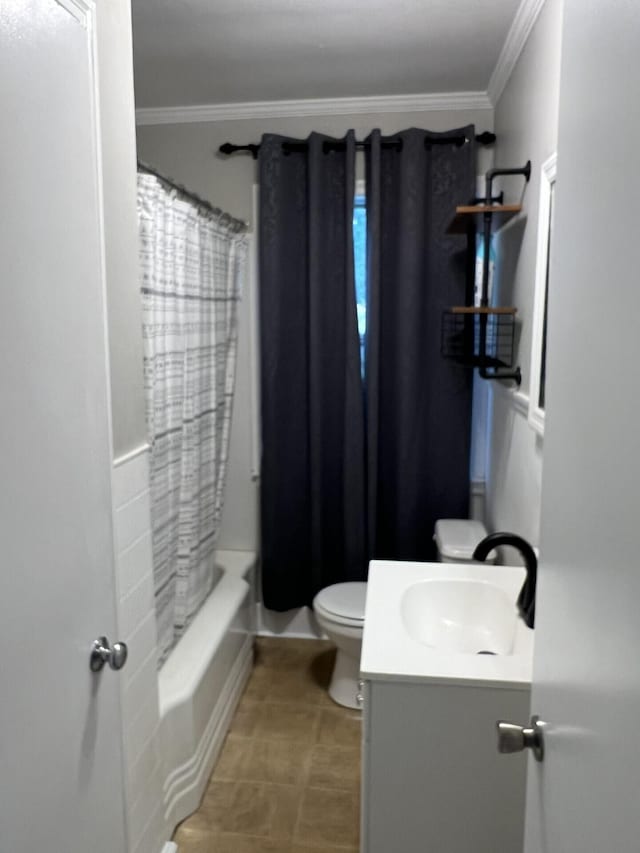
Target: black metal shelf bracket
(513,375)
(485,372)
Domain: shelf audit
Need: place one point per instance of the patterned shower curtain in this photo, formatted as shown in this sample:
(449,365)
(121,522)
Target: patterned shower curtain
(192,262)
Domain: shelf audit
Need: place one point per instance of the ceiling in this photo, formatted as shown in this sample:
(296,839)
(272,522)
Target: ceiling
(189,52)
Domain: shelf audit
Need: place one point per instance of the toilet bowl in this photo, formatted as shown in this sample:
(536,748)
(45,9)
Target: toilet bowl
(339,608)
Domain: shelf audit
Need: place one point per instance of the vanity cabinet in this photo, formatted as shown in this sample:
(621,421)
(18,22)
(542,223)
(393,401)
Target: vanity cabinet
(432,778)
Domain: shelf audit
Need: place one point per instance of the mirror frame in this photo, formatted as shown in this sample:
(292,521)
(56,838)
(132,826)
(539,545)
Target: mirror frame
(547,181)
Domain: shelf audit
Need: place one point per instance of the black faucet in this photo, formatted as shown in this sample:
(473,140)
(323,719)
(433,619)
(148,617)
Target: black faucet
(527,597)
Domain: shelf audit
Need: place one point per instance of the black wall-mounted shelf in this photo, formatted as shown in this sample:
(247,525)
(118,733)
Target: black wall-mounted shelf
(480,335)
(462,336)
(472,215)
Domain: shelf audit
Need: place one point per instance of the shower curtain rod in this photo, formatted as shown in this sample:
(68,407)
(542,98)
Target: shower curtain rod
(485,138)
(236,224)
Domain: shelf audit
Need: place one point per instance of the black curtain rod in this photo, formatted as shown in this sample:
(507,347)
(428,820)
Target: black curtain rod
(485,138)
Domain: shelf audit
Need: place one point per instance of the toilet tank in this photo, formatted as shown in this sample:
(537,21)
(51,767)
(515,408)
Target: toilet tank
(456,539)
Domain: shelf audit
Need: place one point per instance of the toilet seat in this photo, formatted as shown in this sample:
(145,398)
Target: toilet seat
(342,603)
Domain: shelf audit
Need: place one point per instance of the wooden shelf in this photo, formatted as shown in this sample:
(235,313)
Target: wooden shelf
(478,309)
(468,214)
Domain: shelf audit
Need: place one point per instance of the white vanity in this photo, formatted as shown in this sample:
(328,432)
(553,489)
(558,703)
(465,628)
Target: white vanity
(444,657)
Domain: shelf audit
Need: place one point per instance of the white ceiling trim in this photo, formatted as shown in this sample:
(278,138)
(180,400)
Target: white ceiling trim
(314,107)
(520,30)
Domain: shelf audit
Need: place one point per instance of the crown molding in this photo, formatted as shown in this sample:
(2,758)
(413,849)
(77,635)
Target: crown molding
(314,107)
(520,30)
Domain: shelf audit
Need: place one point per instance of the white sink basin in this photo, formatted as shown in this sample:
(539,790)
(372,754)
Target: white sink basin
(456,615)
(430,621)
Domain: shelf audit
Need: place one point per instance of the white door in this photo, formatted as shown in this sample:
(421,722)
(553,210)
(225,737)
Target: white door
(585,796)
(60,753)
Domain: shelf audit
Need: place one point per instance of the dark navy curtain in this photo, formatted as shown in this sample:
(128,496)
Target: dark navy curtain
(351,470)
(418,418)
(313,456)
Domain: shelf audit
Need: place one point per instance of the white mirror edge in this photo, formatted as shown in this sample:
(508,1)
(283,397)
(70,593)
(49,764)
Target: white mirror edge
(548,172)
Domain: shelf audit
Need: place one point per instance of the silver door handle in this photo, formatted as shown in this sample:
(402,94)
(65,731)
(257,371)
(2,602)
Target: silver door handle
(513,738)
(102,652)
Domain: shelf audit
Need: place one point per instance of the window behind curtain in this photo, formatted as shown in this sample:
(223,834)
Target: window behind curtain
(360,263)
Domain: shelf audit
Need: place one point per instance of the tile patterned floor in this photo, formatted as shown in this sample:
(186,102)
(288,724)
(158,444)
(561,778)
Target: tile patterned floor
(288,777)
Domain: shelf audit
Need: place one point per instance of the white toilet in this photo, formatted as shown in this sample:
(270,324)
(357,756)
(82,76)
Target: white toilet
(456,539)
(339,608)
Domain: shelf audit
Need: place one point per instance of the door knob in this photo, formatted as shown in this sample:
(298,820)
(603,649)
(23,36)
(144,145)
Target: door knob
(102,652)
(513,738)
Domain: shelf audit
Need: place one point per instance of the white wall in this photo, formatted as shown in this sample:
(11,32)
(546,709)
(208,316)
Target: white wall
(188,153)
(137,627)
(239,530)
(118,143)
(526,123)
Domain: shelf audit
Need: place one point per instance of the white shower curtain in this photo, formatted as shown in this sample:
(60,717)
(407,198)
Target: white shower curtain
(192,263)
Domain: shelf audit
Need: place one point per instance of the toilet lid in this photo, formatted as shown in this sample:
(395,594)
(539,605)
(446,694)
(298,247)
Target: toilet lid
(457,538)
(343,599)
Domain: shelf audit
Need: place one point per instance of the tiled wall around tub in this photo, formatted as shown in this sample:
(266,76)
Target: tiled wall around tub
(137,627)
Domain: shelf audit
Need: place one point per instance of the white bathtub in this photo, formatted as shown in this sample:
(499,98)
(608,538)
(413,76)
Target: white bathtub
(201,682)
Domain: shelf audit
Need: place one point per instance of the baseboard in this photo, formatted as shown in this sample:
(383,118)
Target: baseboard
(299,623)
(185,786)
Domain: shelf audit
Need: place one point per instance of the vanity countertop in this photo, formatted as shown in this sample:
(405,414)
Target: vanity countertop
(389,652)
